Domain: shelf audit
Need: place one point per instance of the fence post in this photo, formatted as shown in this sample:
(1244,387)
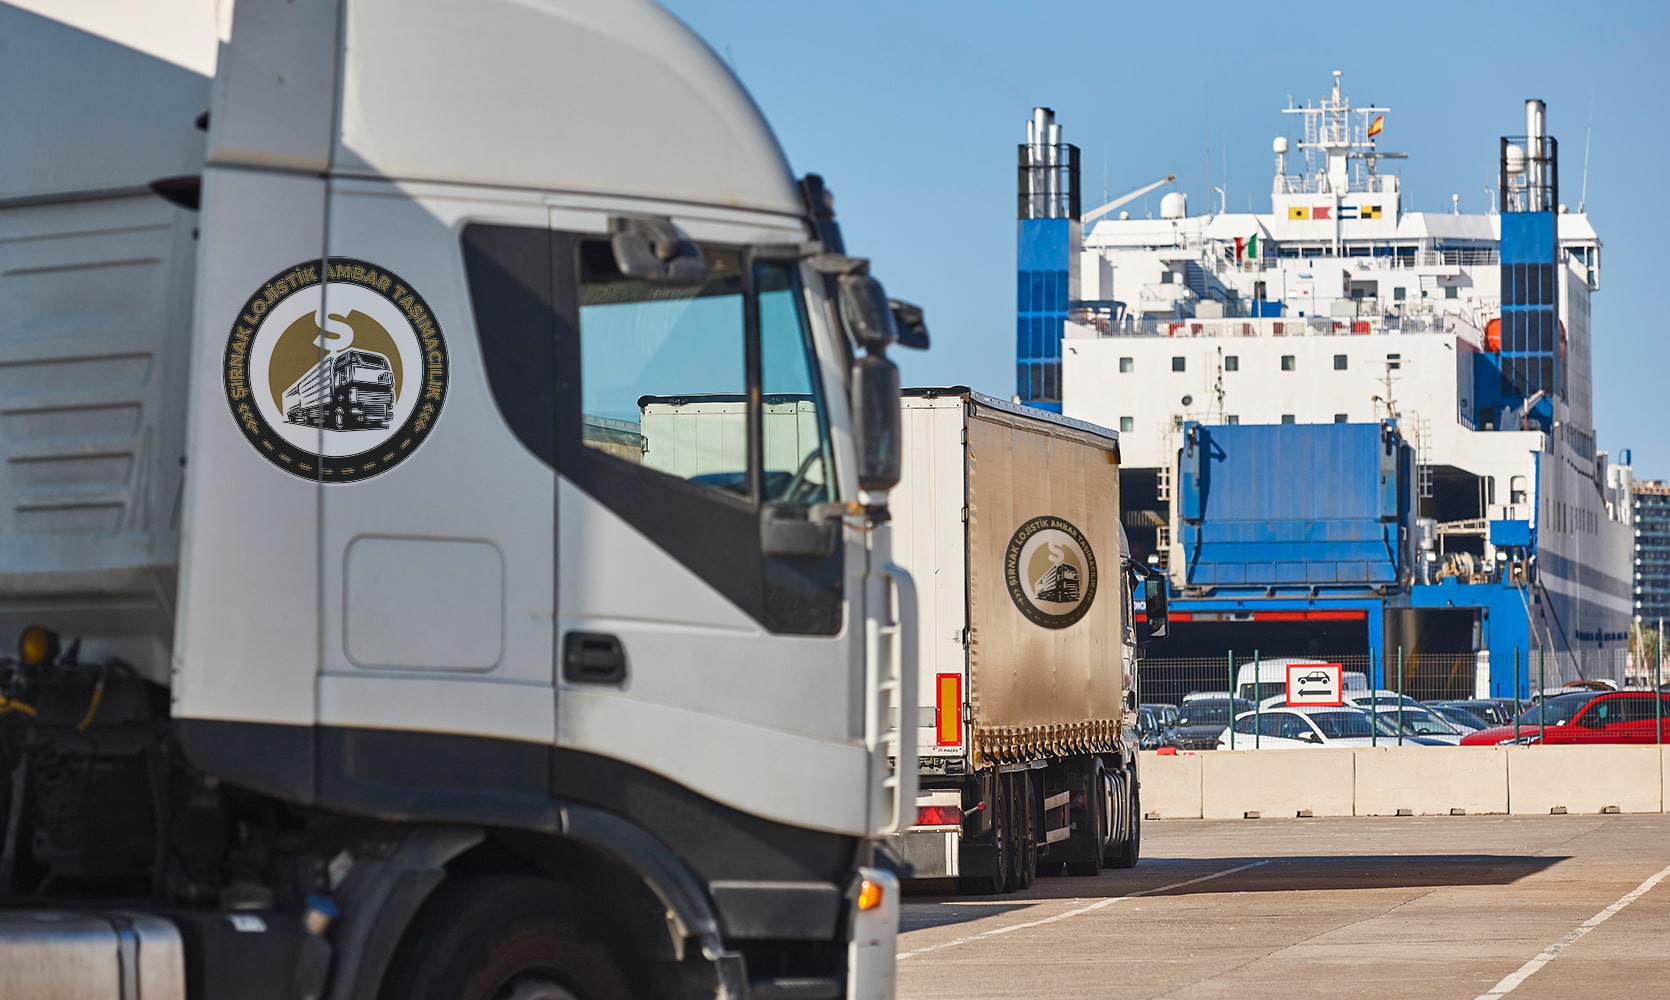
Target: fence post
(1231,685)
(1258,718)
(1373,706)
(1516,706)
(1542,701)
(1400,694)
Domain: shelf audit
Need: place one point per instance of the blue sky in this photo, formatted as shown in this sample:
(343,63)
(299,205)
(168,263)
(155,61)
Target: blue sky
(912,112)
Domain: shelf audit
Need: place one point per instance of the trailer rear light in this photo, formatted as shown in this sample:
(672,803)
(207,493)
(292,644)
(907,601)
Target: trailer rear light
(939,816)
(948,710)
(870,895)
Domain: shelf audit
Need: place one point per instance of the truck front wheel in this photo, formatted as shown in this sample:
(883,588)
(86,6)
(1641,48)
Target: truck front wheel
(504,938)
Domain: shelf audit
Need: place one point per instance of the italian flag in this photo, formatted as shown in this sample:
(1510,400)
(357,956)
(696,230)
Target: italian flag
(1246,248)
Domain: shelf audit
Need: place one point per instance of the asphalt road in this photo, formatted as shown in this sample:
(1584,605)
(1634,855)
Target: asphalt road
(1459,907)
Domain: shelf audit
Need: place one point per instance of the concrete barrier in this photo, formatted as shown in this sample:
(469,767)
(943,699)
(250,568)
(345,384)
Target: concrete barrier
(1170,785)
(1419,781)
(1431,781)
(1587,779)
(1287,783)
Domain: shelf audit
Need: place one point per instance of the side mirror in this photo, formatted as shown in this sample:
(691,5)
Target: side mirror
(875,417)
(1154,593)
(1312,738)
(866,311)
(909,324)
(654,250)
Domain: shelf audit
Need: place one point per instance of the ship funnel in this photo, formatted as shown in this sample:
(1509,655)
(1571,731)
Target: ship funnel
(1049,171)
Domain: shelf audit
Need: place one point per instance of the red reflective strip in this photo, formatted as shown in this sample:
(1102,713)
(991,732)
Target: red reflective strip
(948,710)
(1309,616)
(1180,616)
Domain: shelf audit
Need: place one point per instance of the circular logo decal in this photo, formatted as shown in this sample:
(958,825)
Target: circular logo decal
(1051,572)
(336,379)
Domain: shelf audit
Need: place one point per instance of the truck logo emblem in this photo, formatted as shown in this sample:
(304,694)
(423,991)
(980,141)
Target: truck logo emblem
(336,370)
(1051,572)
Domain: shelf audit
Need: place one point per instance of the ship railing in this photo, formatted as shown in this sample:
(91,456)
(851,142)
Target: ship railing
(1107,325)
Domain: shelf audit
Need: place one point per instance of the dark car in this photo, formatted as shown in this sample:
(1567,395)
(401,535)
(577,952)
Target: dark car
(1154,721)
(1201,720)
(1495,711)
(1585,717)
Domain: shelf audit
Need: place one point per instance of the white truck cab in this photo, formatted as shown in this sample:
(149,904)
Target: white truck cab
(347,589)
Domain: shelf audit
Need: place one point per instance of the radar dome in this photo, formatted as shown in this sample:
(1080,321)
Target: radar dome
(1516,159)
(1174,205)
(1280,145)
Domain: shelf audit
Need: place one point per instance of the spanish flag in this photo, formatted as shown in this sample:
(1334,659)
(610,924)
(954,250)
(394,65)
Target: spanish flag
(1375,127)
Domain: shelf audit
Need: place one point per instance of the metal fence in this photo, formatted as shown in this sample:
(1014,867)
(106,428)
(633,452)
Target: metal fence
(1400,679)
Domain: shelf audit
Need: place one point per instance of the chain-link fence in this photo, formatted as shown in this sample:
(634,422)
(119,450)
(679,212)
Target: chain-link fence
(1395,697)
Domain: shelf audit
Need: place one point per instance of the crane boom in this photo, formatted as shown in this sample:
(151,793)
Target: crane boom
(1122,199)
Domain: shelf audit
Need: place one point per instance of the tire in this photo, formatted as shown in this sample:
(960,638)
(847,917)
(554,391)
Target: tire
(1095,832)
(1128,852)
(504,937)
(1015,789)
(1003,836)
(1028,811)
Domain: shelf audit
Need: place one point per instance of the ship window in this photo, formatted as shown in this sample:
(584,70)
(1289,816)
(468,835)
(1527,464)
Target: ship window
(1232,419)
(1341,418)
(1287,418)
(1399,293)
(1177,364)
(1127,424)
(1126,365)
(1451,291)
(1339,362)
(1288,363)
(1232,363)
(1168,277)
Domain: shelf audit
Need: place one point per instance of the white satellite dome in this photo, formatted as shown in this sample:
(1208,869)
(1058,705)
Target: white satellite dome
(1280,145)
(1174,205)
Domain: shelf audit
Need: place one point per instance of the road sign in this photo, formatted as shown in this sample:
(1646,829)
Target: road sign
(1315,684)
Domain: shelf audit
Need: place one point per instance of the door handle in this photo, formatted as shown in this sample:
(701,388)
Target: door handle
(593,658)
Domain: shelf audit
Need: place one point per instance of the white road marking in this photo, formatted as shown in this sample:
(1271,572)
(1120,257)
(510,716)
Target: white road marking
(1514,980)
(1075,912)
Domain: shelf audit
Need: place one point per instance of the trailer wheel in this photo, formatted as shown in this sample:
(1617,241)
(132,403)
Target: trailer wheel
(504,938)
(1095,832)
(1028,826)
(1127,853)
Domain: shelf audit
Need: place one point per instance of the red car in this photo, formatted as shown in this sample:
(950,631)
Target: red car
(1584,717)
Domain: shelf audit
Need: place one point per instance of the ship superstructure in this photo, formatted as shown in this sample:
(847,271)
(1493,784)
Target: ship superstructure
(1466,335)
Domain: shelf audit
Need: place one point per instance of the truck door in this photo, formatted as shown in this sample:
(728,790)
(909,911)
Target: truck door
(688,418)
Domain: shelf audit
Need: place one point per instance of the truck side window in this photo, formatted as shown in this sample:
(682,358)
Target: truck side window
(795,441)
(663,376)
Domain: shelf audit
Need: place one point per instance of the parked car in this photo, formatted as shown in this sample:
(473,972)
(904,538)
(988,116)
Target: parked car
(1459,717)
(1494,711)
(1167,712)
(1585,717)
(1151,726)
(1416,718)
(1307,726)
(1200,720)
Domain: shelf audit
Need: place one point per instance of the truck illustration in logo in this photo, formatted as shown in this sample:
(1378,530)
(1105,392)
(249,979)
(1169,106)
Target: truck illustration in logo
(348,390)
(1059,584)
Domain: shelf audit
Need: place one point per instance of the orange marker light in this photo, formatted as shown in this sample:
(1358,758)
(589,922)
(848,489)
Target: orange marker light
(870,895)
(948,709)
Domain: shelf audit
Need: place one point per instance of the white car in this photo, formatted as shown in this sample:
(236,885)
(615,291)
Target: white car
(1297,727)
(1417,719)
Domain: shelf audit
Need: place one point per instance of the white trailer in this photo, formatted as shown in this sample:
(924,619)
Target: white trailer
(1008,518)
(475,704)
